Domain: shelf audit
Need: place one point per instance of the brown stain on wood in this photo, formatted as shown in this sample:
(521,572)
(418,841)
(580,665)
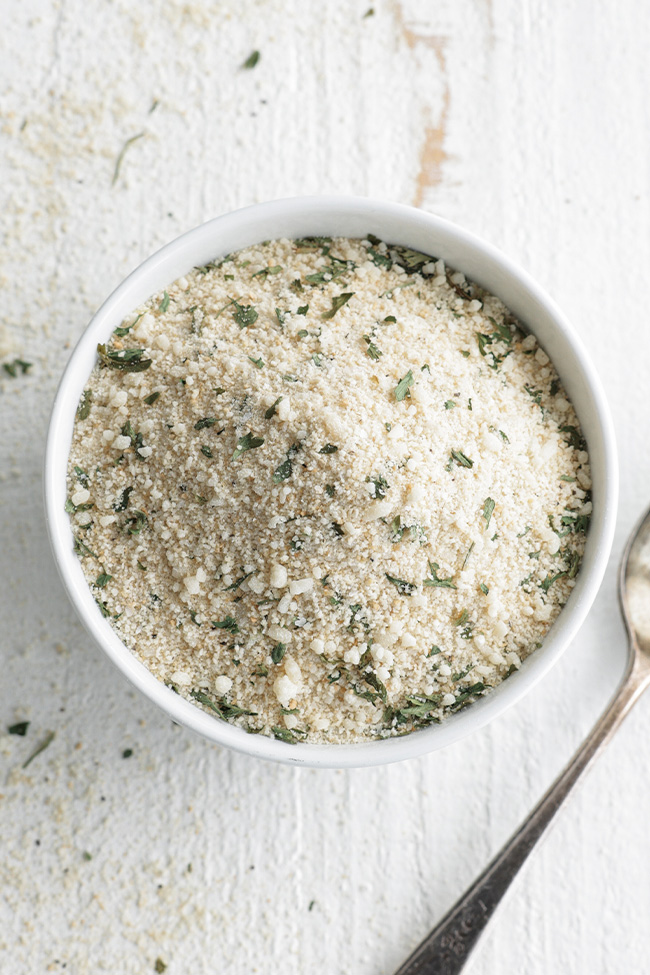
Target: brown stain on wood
(433,154)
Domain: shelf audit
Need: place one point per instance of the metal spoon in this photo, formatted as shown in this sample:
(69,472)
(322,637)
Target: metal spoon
(446,950)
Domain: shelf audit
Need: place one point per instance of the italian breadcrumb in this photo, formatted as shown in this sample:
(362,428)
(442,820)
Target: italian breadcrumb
(328,489)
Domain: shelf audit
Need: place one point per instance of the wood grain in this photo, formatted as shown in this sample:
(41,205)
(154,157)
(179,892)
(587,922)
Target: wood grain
(529,124)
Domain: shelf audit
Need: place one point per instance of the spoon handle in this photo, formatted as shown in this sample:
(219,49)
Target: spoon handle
(448,947)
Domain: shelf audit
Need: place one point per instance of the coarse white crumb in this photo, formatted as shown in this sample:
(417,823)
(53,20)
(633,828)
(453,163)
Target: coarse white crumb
(335,489)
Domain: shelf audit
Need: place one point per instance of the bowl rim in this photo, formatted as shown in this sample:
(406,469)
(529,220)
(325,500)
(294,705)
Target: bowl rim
(319,211)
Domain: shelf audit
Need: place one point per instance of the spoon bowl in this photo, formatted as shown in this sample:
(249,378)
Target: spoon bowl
(634,588)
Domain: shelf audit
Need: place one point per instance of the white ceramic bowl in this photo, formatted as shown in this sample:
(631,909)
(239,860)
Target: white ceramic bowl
(347,217)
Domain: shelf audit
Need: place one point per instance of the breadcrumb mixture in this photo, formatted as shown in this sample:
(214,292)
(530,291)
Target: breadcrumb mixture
(328,489)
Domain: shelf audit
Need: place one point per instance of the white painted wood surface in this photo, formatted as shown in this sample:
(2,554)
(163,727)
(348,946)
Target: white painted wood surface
(525,120)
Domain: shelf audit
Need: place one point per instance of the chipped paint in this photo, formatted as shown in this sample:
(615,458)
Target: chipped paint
(432,155)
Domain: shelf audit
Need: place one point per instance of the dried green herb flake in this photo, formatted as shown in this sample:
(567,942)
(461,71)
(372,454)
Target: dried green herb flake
(118,161)
(81,549)
(404,588)
(435,579)
(229,623)
(266,271)
(372,351)
(337,303)
(461,459)
(247,442)
(403,386)
(277,653)
(11,368)
(272,410)
(85,404)
(252,59)
(123,503)
(244,315)
(20,728)
(47,741)
(283,472)
(127,360)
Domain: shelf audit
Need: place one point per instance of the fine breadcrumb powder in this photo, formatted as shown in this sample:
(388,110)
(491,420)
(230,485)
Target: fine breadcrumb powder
(328,490)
